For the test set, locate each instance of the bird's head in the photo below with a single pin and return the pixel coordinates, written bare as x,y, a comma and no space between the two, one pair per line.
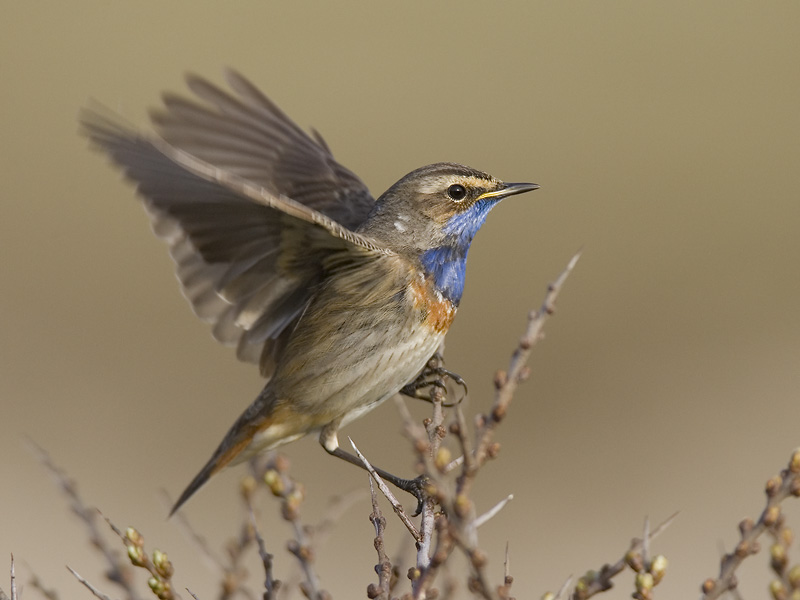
443,202
434,212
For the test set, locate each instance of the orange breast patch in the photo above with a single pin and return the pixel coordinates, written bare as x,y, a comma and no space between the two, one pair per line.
436,311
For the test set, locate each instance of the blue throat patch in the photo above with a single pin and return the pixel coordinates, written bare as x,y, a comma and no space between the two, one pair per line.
447,264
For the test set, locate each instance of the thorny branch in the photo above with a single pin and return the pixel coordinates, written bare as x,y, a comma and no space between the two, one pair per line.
117,571
275,473
777,490
95,592
396,505
456,525
384,566
649,572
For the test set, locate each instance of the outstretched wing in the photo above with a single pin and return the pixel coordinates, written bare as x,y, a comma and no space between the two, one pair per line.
248,135
247,257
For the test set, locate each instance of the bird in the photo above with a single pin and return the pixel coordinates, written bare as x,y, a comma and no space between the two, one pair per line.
341,299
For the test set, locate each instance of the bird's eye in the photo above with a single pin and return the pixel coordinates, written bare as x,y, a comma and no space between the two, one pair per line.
457,192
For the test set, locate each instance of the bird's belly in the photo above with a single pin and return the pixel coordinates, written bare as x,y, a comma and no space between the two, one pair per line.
349,353
352,370
383,373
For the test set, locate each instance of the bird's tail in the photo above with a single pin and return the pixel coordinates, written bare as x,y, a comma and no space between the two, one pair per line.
258,418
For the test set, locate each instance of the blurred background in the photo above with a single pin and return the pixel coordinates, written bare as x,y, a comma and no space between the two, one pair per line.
666,139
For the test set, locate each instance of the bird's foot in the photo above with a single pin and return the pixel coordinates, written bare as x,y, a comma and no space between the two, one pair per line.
417,487
434,375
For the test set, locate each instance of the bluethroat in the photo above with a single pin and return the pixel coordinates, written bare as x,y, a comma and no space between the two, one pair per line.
339,298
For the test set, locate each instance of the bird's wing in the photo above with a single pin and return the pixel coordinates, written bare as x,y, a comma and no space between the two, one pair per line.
248,135
247,258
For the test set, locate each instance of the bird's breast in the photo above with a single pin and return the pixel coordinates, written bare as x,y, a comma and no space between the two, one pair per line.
435,311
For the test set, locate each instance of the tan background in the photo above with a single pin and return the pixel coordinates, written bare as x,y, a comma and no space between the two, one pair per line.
666,138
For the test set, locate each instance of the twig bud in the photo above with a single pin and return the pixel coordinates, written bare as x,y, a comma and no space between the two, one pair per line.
773,485
442,459
658,568
136,555
794,576
771,515
634,561
134,537
493,449
462,505
644,583
161,589
778,558
478,559
500,379
746,526
162,564
777,589
742,549
274,482
794,462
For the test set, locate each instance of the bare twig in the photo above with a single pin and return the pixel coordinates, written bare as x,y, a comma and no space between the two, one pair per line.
384,566
97,593
504,590
506,383
396,506
493,511
594,582
270,584
118,571
274,472
435,432
777,490
433,458
646,540
13,580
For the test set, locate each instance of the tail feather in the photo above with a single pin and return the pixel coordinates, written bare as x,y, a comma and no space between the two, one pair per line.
257,417
223,455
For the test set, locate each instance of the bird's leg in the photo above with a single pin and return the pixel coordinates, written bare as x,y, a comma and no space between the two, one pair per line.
416,487
433,375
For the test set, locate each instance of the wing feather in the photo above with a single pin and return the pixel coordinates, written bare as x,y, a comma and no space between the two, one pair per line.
248,258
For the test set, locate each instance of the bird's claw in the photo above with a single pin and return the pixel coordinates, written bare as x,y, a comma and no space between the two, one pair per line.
434,370
417,487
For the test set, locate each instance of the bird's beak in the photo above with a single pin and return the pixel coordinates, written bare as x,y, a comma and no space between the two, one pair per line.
510,189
